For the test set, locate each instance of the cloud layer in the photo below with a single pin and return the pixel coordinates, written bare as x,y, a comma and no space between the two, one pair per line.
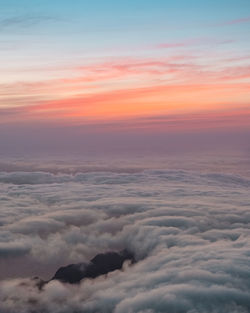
189,231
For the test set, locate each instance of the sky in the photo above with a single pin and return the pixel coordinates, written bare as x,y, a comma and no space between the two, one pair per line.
120,73
84,85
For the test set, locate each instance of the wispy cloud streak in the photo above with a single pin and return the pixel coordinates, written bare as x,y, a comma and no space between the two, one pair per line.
235,21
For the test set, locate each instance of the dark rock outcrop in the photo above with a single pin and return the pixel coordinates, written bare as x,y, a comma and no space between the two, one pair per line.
101,264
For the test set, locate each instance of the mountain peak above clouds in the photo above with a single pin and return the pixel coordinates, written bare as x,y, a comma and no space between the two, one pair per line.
101,264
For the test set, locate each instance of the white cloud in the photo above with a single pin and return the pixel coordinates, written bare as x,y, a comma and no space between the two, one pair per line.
190,233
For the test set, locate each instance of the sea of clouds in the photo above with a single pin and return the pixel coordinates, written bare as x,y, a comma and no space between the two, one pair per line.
189,231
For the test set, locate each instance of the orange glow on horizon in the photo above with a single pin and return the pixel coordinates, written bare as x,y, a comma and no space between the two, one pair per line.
111,92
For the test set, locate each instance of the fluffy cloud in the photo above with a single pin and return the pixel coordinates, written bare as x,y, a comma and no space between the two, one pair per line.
189,232
17,248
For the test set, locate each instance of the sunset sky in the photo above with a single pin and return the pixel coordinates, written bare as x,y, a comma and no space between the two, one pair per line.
124,156
158,67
